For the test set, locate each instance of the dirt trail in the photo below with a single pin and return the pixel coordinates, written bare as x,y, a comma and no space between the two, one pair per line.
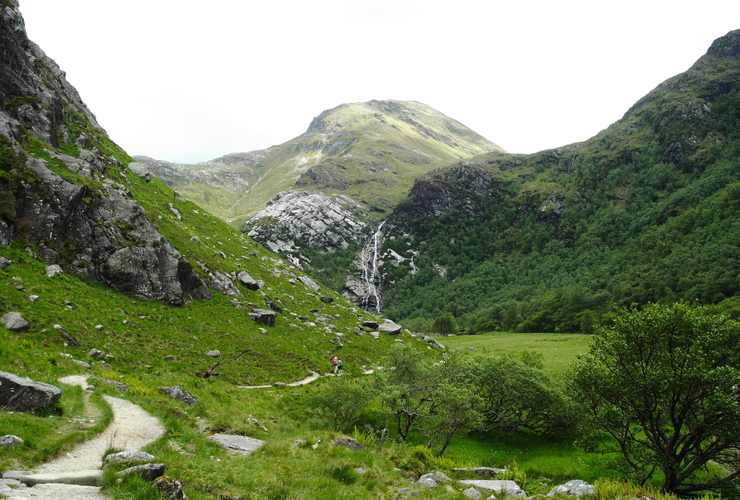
132,429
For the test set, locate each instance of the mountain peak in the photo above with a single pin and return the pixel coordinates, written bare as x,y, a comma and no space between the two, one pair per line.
726,46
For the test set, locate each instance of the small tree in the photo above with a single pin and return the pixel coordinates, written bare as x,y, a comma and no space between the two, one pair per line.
663,383
341,400
445,325
406,387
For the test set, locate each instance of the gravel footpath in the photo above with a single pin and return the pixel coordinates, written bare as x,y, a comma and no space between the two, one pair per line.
132,429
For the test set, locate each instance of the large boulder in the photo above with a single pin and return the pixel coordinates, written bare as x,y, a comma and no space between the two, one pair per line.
15,322
390,328
25,395
263,317
246,280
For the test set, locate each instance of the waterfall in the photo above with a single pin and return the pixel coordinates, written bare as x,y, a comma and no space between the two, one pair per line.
370,272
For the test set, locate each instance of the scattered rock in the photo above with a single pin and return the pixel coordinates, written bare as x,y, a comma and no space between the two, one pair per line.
390,328
10,440
4,262
148,472
71,341
370,324
326,299
96,353
427,480
249,282
431,341
575,488
33,298
178,393
171,489
272,305
495,485
309,283
238,444
483,471
349,443
175,212
120,386
214,354
263,317
472,493
140,169
24,394
53,270
128,456
256,423
15,322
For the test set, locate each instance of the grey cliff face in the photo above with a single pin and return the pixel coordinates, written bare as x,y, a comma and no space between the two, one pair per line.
87,215
296,219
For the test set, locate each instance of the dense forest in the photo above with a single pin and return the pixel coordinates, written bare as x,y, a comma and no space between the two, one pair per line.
646,211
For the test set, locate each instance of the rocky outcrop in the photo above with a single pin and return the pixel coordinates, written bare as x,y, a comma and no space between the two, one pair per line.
26,395
302,219
459,188
75,206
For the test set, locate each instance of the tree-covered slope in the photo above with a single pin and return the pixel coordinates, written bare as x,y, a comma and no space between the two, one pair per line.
647,210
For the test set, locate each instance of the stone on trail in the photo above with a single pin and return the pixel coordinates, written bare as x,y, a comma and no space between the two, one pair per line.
91,477
128,456
148,472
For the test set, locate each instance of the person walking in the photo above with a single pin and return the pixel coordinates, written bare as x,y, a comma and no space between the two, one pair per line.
339,366
335,364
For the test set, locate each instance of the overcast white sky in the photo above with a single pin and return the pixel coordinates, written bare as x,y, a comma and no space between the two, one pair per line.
189,81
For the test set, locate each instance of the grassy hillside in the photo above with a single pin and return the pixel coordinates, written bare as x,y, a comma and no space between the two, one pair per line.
369,151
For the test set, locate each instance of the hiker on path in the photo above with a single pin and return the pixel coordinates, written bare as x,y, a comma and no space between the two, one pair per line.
335,364
339,366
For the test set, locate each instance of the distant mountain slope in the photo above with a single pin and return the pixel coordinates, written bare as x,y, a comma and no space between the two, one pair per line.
369,151
647,210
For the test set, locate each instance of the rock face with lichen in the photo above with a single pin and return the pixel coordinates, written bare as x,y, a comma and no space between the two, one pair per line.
68,182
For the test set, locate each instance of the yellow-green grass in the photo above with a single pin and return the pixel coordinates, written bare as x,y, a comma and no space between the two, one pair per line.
558,350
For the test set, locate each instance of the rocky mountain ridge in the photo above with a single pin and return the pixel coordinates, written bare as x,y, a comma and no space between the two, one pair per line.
66,183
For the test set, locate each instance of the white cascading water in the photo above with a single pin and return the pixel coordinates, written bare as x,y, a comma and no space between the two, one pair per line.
370,274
